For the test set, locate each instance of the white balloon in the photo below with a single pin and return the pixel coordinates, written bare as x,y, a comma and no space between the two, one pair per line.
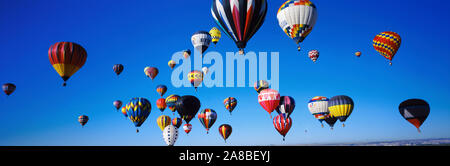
318,105
170,134
205,70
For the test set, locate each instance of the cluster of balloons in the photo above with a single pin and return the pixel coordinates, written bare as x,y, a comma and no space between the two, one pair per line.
239,20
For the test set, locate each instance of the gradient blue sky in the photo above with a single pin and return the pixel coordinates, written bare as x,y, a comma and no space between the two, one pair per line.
147,33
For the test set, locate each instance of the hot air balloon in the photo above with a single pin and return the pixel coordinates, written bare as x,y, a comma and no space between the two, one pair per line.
239,19
177,122
269,100
261,85
163,121
387,44
282,124
151,72
66,58
358,54
230,103
171,102
201,40
286,106
318,106
170,135
187,53
117,104
225,131
8,88
313,55
124,111
215,34
83,119
187,128
297,19
138,110
161,104
161,89
415,111
187,107
196,78
205,70
172,64
207,117
118,68
341,107
331,120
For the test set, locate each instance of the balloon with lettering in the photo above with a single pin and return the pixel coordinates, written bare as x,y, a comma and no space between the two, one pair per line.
415,111
269,99
151,72
163,121
215,34
117,104
286,106
297,19
8,88
138,110
201,40
161,104
83,119
177,122
170,135
318,106
225,131
187,128
282,124
187,107
230,103
341,107
67,58
118,68
207,118
239,19
161,89
387,44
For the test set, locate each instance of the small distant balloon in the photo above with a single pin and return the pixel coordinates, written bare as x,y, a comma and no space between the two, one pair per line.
151,72
8,88
83,119
118,68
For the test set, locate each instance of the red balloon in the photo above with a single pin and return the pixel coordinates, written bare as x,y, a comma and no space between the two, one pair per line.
282,124
269,100
161,104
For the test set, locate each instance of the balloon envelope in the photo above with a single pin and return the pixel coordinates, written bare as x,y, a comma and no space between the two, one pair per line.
415,111
187,107
67,58
170,135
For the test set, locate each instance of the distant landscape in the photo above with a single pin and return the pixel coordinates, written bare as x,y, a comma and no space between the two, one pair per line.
415,142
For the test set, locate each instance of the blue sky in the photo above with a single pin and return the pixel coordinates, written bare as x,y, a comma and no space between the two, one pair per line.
146,33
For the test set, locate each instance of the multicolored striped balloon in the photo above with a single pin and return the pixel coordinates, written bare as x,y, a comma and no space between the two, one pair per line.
161,104
286,106
171,101
163,121
225,131
341,107
151,72
187,128
387,44
313,55
67,58
261,85
196,78
230,103
117,104
172,64
282,124
177,122
161,89
207,118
